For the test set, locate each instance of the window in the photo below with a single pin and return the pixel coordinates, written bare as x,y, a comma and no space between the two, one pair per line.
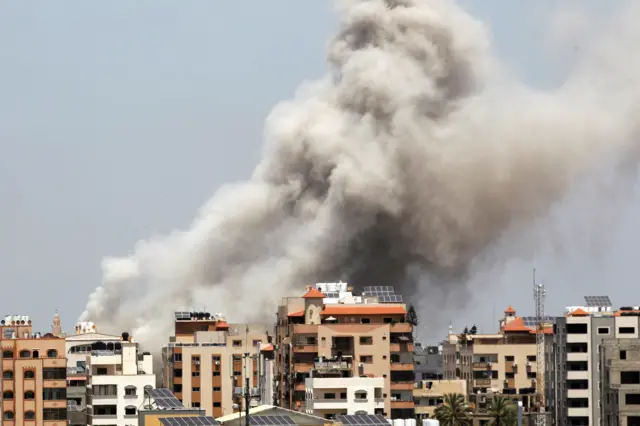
7,374
52,353
54,413
365,320
61,373
623,354
130,390
54,394
36,354
577,329
630,377
196,389
29,374
509,358
195,359
361,395
130,410
8,415
25,354
366,340
237,343
7,395
216,404
531,358
603,330
177,357
29,415
101,371
195,374
627,330
632,399
216,389
29,395
177,387
195,405
177,372
7,354
366,359
216,373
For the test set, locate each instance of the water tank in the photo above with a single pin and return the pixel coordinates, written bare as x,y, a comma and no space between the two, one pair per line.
398,422
410,422
430,422
125,336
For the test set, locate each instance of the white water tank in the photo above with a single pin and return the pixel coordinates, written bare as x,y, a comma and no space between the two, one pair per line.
398,422
410,422
430,422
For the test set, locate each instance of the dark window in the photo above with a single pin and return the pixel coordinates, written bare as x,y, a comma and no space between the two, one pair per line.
8,415
577,348
195,405
36,354
531,358
29,415
177,387
509,358
623,354
101,371
365,320
129,410
54,414
216,389
216,404
630,377
603,330
29,395
632,399
29,374
130,391
196,389
54,394
216,373
52,353
7,394
366,340
237,343
177,357
25,354
577,329
626,330
7,354
366,359
195,374
59,373
7,374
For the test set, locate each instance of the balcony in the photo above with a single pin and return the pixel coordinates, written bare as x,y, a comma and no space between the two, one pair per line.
399,366
481,366
482,383
402,386
402,404
302,367
333,365
401,327
305,348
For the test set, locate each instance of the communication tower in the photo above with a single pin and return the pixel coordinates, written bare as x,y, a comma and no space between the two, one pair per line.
539,294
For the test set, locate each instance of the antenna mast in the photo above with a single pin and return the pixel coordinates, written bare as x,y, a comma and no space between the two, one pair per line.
539,294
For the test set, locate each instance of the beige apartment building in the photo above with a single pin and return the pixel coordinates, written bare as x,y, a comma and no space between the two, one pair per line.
33,375
207,360
429,394
504,362
346,337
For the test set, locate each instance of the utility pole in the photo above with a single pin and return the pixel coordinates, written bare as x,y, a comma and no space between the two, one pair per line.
539,294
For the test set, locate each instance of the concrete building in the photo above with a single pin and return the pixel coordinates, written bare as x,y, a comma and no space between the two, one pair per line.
116,381
429,394
328,396
33,375
428,362
586,364
207,362
502,363
85,341
284,416
351,337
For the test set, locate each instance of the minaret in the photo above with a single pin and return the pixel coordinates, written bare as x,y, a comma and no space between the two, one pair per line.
56,328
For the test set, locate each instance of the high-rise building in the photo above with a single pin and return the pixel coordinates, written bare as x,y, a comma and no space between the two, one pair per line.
33,375
502,363
328,336
117,377
208,360
594,364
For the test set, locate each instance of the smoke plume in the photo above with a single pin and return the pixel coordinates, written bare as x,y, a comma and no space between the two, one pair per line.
415,153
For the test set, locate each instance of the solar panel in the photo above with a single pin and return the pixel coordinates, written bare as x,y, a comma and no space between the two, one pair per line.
533,321
189,421
183,315
362,420
272,420
332,295
598,301
165,399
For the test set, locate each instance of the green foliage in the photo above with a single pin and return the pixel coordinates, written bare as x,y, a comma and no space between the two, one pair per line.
503,412
412,316
454,411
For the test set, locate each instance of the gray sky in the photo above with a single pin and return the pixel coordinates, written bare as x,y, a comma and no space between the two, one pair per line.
118,120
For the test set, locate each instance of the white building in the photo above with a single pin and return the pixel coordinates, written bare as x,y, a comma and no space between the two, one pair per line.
116,380
328,396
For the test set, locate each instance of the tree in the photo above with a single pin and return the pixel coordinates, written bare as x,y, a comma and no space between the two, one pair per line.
474,329
454,411
466,330
412,316
502,411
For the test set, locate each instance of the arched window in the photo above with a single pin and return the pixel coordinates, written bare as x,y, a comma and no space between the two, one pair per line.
29,374
36,354
130,390
7,394
7,354
7,374
29,415
29,395
52,353
25,354
130,410
8,415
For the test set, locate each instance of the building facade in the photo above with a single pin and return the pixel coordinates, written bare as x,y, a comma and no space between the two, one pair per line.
33,375
428,362
208,361
346,335
116,381
328,395
429,394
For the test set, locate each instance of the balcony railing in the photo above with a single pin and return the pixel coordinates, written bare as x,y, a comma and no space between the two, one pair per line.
333,365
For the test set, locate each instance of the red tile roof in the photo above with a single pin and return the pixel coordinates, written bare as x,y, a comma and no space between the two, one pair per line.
516,324
510,310
222,324
364,310
313,293
296,314
579,313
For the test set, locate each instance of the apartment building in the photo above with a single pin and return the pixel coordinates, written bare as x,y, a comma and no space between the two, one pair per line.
208,361
587,361
502,363
33,375
116,381
83,342
429,394
327,334
428,362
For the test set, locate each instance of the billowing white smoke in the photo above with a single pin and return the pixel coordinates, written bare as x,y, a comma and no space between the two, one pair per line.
409,159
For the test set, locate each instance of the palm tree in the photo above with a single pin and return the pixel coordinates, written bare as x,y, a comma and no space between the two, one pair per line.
454,411
502,411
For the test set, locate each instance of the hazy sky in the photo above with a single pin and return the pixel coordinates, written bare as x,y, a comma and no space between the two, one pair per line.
118,120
